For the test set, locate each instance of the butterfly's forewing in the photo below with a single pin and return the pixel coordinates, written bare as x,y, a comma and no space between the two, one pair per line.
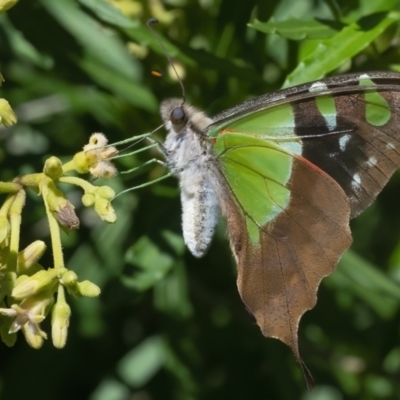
296,165
349,125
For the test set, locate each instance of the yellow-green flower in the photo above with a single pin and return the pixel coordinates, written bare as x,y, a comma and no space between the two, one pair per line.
99,152
27,317
7,115
105,210
7,4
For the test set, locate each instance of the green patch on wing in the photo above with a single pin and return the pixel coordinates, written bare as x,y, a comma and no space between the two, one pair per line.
377,110
273,121
327,107
257,172
270,123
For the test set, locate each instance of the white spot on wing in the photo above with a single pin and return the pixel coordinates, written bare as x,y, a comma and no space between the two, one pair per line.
279,96
330,121
372,161
365,76
343,142
390,146
317,87
356,183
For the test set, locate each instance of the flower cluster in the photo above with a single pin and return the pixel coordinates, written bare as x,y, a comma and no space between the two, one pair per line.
28,290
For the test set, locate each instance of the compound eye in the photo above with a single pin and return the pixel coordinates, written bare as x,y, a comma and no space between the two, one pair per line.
177,116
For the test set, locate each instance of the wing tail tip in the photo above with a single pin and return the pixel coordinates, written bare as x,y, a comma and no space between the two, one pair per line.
308,378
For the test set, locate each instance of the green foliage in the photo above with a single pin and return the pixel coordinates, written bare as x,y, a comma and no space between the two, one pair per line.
296,29
167,325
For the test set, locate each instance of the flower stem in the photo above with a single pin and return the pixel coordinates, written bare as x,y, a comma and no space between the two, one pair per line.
73,180
58,256
9,187
15,221
5,208
69,166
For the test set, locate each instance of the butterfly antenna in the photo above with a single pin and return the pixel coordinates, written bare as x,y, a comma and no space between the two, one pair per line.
150,23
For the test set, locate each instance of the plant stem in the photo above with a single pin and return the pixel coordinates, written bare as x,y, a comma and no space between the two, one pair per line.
73,180
58,256
15,221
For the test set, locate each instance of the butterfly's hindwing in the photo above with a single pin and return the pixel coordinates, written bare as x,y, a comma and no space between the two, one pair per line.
282,260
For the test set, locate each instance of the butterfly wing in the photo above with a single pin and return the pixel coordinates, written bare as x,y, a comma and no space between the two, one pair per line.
296,166
285,237
347,126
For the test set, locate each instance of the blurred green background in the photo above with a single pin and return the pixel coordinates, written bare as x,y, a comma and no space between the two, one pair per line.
167,325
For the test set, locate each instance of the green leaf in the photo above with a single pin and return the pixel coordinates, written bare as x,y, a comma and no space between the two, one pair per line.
367,282
391,364
181,372
137,94
143,362
107,12
368,7
110,389
174,241
100,43
152,262
332,52
323,392
295,29
171,293
23,47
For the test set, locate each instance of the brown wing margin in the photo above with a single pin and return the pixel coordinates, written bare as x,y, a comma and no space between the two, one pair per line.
278,278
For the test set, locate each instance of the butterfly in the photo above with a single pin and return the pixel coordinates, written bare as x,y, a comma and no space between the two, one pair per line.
288,170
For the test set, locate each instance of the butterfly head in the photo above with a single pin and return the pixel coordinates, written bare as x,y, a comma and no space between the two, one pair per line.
174,114
177,116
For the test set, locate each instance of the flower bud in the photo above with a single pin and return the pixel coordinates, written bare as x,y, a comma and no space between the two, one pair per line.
88,199
69,278
7,116
30,255
21,278
83,162
88,289
105,210
53,168
105,192
35,283
59,323
7,4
